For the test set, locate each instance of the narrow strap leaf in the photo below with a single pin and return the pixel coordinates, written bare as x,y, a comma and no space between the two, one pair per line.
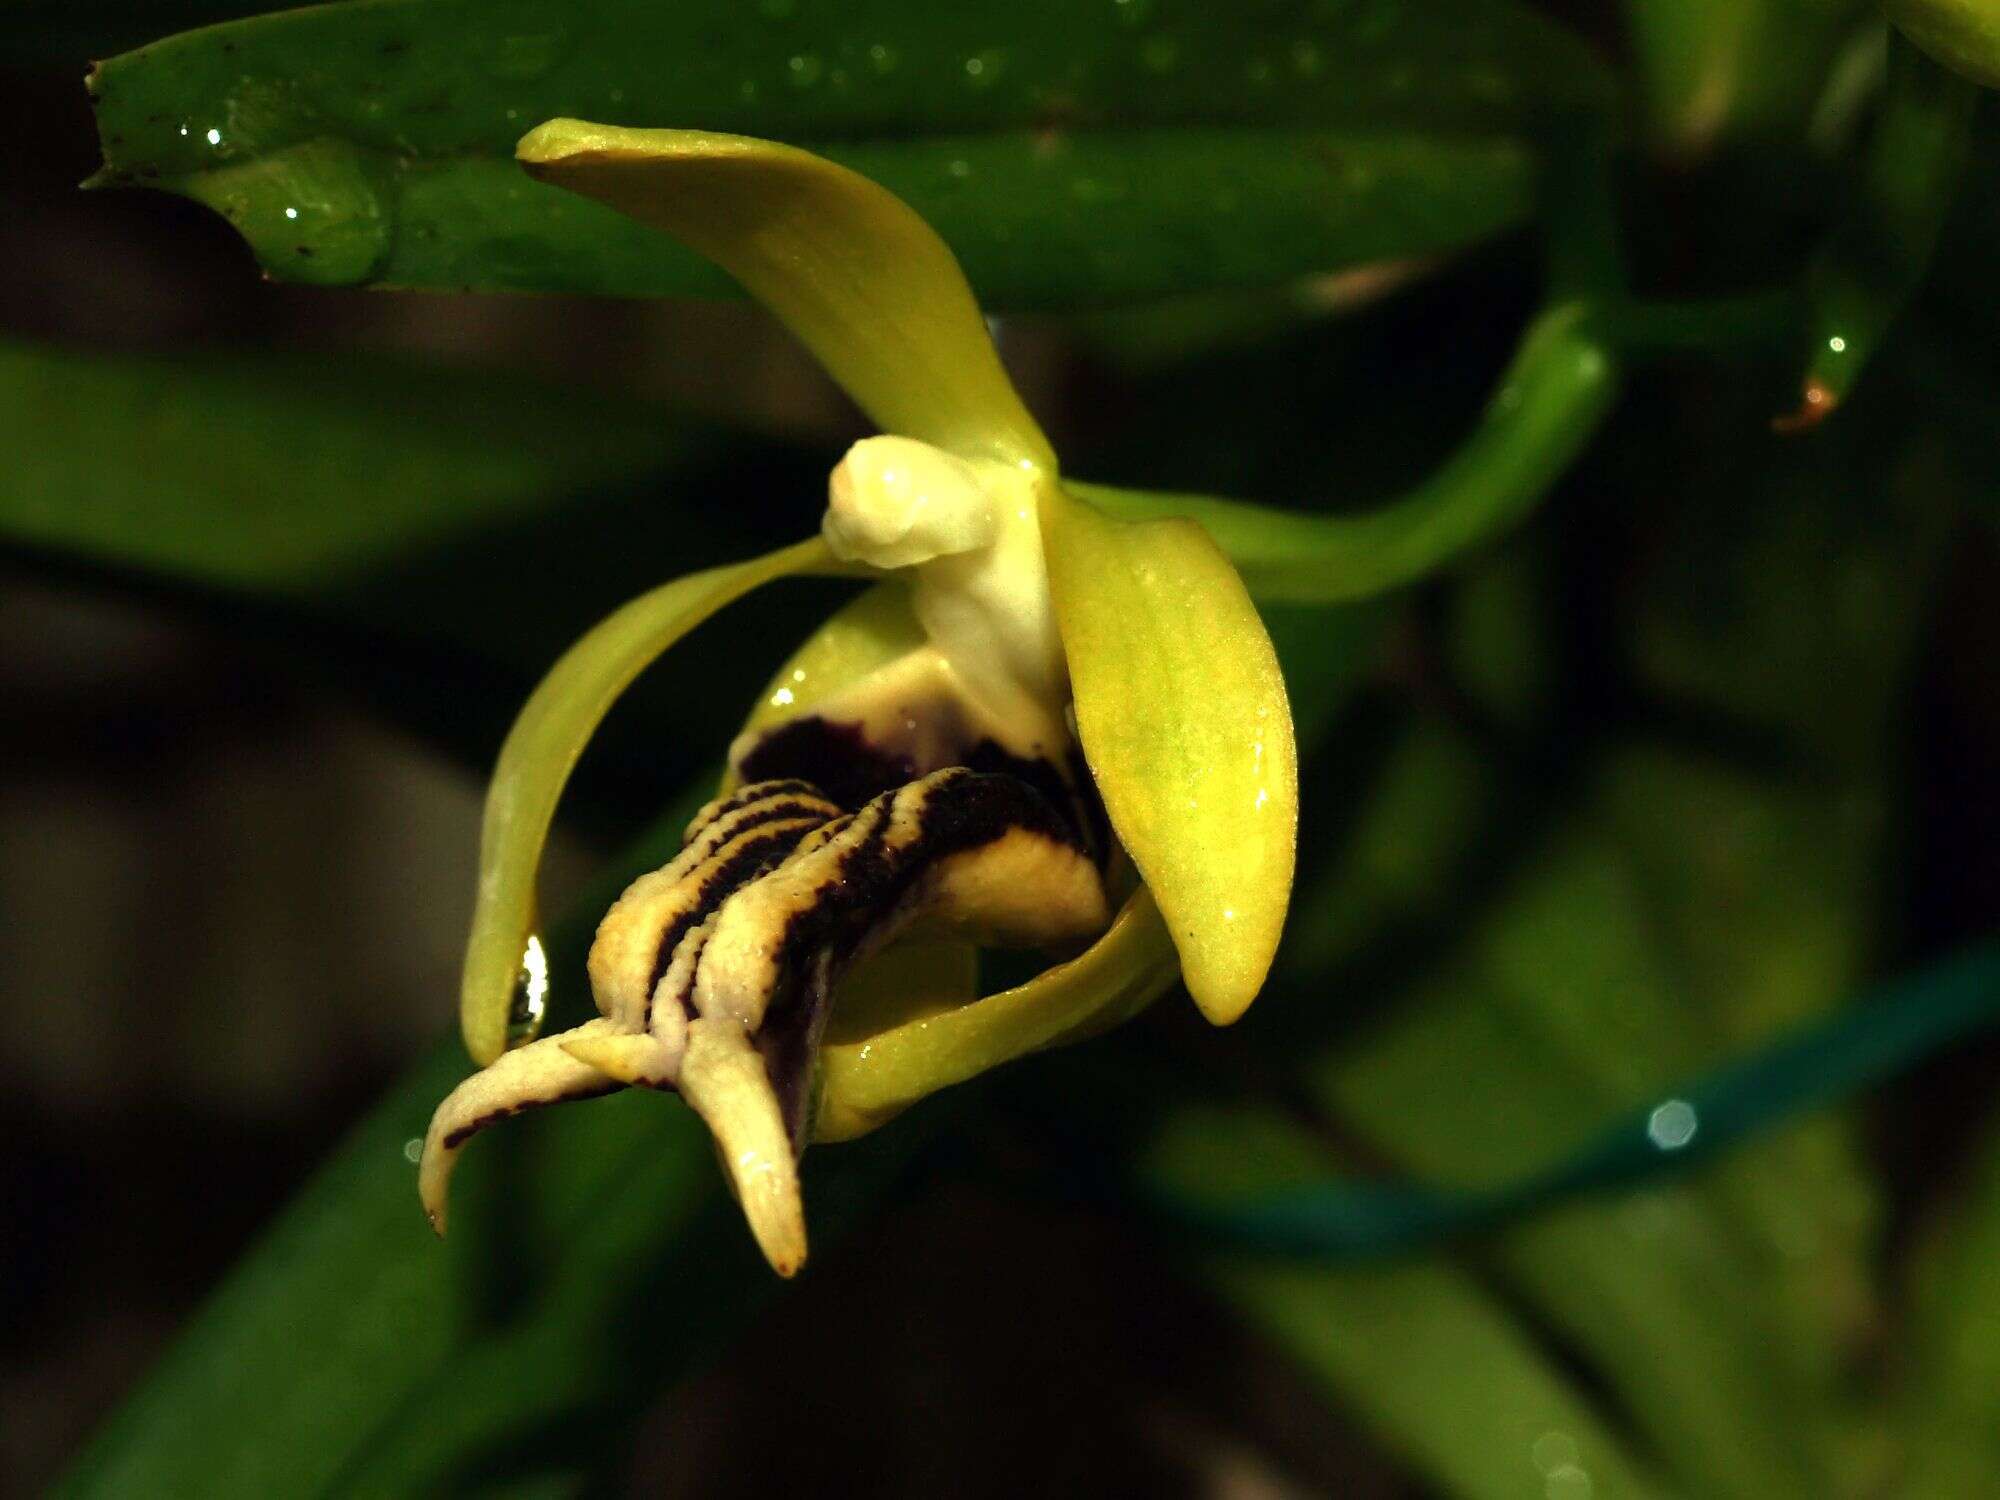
850,268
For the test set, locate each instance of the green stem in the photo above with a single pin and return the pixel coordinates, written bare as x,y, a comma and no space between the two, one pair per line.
1561,384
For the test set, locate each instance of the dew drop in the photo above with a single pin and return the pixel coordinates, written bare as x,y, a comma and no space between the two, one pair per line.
311,211
982,69
1672,1126
958,169
803,69
883,58
531,994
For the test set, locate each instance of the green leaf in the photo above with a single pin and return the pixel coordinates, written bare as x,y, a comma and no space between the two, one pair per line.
1715,69
1560,1012
860,279
1434,1363
1068,154
295,475
422,539
1951,1411
1964,35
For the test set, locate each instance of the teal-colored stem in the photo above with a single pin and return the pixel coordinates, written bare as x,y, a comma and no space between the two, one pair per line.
1562,382
1862,1045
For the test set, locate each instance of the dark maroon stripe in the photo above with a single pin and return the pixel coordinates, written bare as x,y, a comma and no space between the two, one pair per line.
744,796
456,1138
724,878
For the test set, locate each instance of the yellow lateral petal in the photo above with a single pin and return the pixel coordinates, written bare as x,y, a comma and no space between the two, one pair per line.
867,1080
1182,712
849,267
541,750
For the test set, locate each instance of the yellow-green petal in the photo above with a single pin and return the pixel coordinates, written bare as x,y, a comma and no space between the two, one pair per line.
541,750
868,1079
1182,712
844,263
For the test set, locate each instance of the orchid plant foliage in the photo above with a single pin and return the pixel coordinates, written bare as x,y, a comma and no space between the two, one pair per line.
1042,727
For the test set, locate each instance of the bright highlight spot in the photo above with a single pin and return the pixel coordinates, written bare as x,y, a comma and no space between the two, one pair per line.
1672,1125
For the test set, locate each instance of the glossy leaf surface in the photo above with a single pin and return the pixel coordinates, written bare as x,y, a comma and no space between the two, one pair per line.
367,143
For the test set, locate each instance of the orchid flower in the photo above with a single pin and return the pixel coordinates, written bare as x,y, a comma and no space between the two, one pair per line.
1043,727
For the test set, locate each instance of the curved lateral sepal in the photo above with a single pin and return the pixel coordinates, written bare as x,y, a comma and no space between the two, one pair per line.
542,749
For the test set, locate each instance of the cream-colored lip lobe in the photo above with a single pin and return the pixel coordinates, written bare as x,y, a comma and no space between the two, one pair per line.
716,974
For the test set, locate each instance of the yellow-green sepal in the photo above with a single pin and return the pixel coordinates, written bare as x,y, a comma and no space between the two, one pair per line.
1181,709
869,1075
849,267
541,750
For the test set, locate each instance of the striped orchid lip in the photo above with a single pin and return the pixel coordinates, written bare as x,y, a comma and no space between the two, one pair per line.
1042,727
